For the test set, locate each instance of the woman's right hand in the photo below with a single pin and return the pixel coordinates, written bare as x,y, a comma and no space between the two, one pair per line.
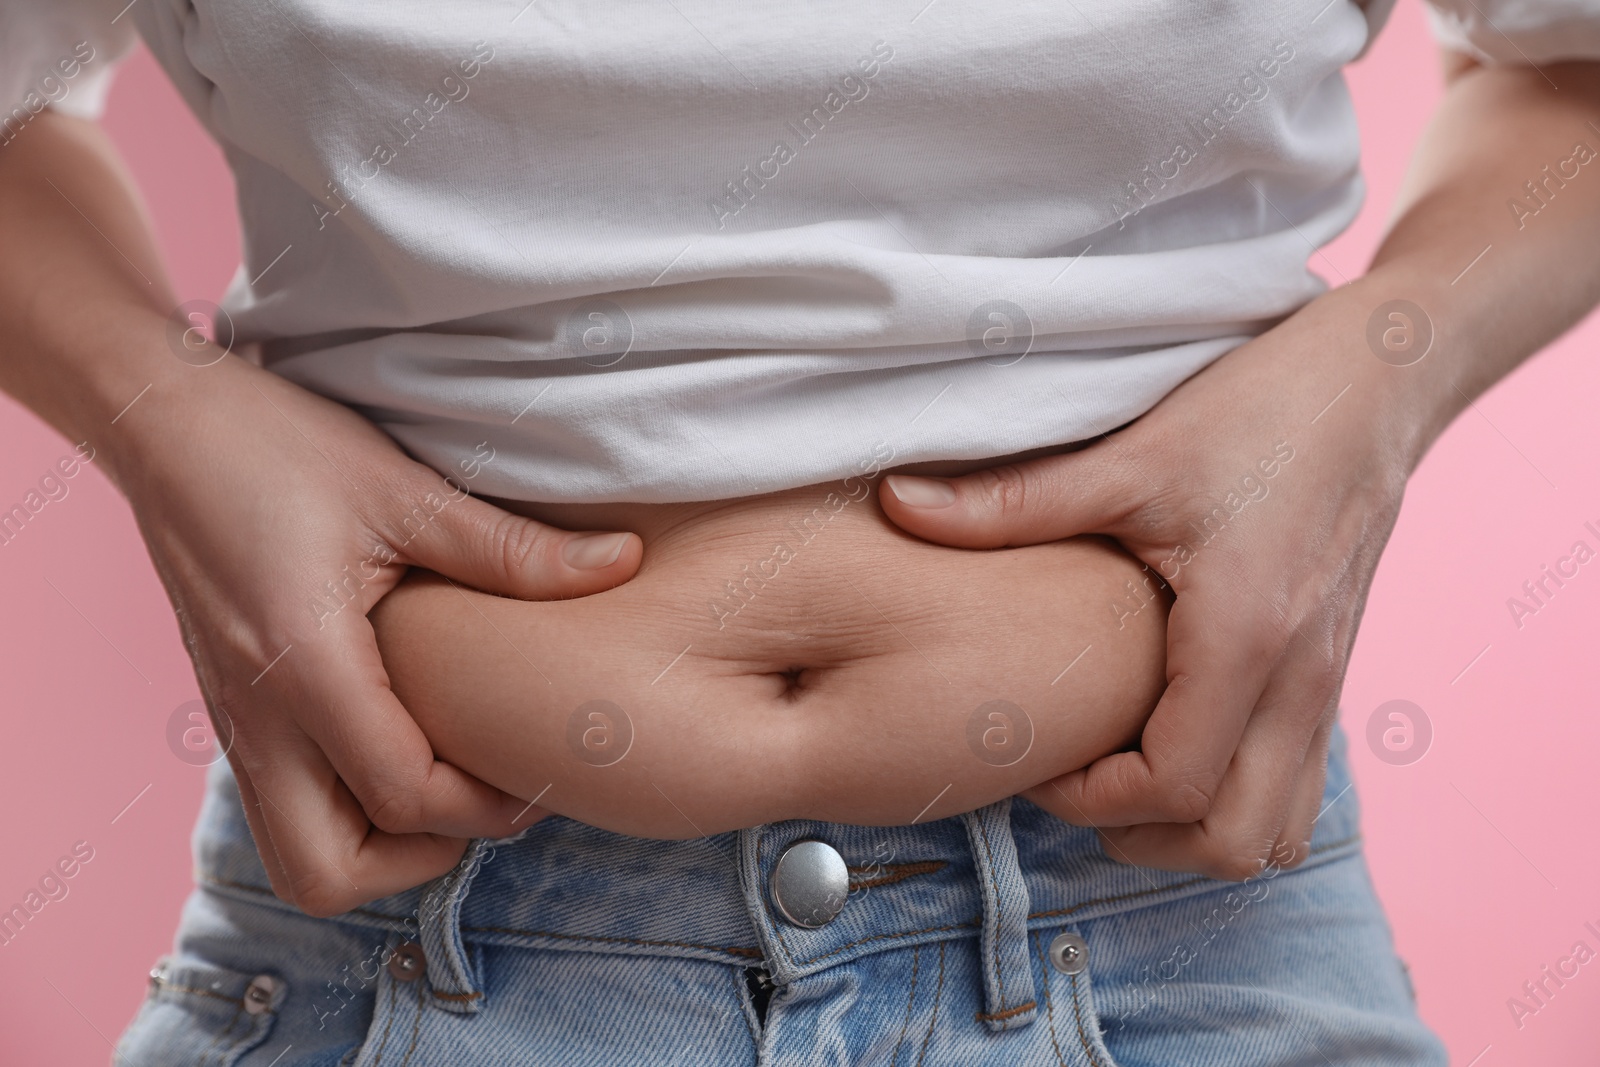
276,520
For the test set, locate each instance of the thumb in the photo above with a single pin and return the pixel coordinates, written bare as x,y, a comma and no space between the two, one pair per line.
507,555
1027,503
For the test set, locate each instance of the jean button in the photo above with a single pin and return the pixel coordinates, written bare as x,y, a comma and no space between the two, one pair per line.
810,883
407,963
1069,954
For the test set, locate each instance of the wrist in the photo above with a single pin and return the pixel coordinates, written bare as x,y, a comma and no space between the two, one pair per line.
131,399
177,415
1409,354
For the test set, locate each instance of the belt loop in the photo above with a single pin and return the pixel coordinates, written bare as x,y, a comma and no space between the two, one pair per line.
450,973
1009,999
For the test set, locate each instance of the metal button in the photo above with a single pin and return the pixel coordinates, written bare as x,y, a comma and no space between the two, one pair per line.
810,883
1069,954
261,995
408,962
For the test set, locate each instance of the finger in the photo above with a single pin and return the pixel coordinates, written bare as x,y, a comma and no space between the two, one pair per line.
271,862
1217,669
248,801
1025,503
318,847
1265,800
341,691
1305,808
333,858
497,552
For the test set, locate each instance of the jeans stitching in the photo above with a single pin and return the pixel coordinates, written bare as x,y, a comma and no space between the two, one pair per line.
978,922
1083,1038
911,999
783,944
984,1017
469,973
388,1024
1049,1002
165,986
933,1020
757,954
416,1027
898,872
753,953
788,960
994,884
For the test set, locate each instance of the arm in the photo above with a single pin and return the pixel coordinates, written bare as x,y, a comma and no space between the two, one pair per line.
1232,760
252,494
1497,129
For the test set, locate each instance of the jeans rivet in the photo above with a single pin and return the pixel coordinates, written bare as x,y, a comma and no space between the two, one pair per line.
261,994
408,962
1069,954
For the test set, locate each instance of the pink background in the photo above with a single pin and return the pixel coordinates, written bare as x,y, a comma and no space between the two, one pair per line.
1482,850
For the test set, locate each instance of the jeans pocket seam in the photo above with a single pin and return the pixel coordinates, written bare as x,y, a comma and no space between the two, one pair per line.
234,1036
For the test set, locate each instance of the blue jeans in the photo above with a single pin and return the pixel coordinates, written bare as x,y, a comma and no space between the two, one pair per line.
1000,937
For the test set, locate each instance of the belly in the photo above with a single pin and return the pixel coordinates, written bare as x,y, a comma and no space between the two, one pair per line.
792,655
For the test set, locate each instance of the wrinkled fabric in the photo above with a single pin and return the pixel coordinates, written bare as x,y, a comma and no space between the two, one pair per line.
693,250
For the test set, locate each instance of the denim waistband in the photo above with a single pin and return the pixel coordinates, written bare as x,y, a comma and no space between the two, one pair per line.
989,876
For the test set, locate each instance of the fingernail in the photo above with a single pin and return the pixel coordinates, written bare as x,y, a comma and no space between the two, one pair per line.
590,552
920,492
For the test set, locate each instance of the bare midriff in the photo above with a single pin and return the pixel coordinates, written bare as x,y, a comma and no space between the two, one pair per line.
791,655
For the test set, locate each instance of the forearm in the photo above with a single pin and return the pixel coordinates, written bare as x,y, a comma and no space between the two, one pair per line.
1497,281
83,296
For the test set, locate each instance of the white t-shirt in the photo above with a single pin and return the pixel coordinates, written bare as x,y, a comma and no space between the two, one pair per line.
690,249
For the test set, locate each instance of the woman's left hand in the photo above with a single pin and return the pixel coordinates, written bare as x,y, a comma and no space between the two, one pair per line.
1263,490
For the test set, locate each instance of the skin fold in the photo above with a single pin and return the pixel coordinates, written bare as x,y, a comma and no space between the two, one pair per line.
837,678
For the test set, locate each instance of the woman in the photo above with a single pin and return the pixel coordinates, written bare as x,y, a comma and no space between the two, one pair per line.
614,271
